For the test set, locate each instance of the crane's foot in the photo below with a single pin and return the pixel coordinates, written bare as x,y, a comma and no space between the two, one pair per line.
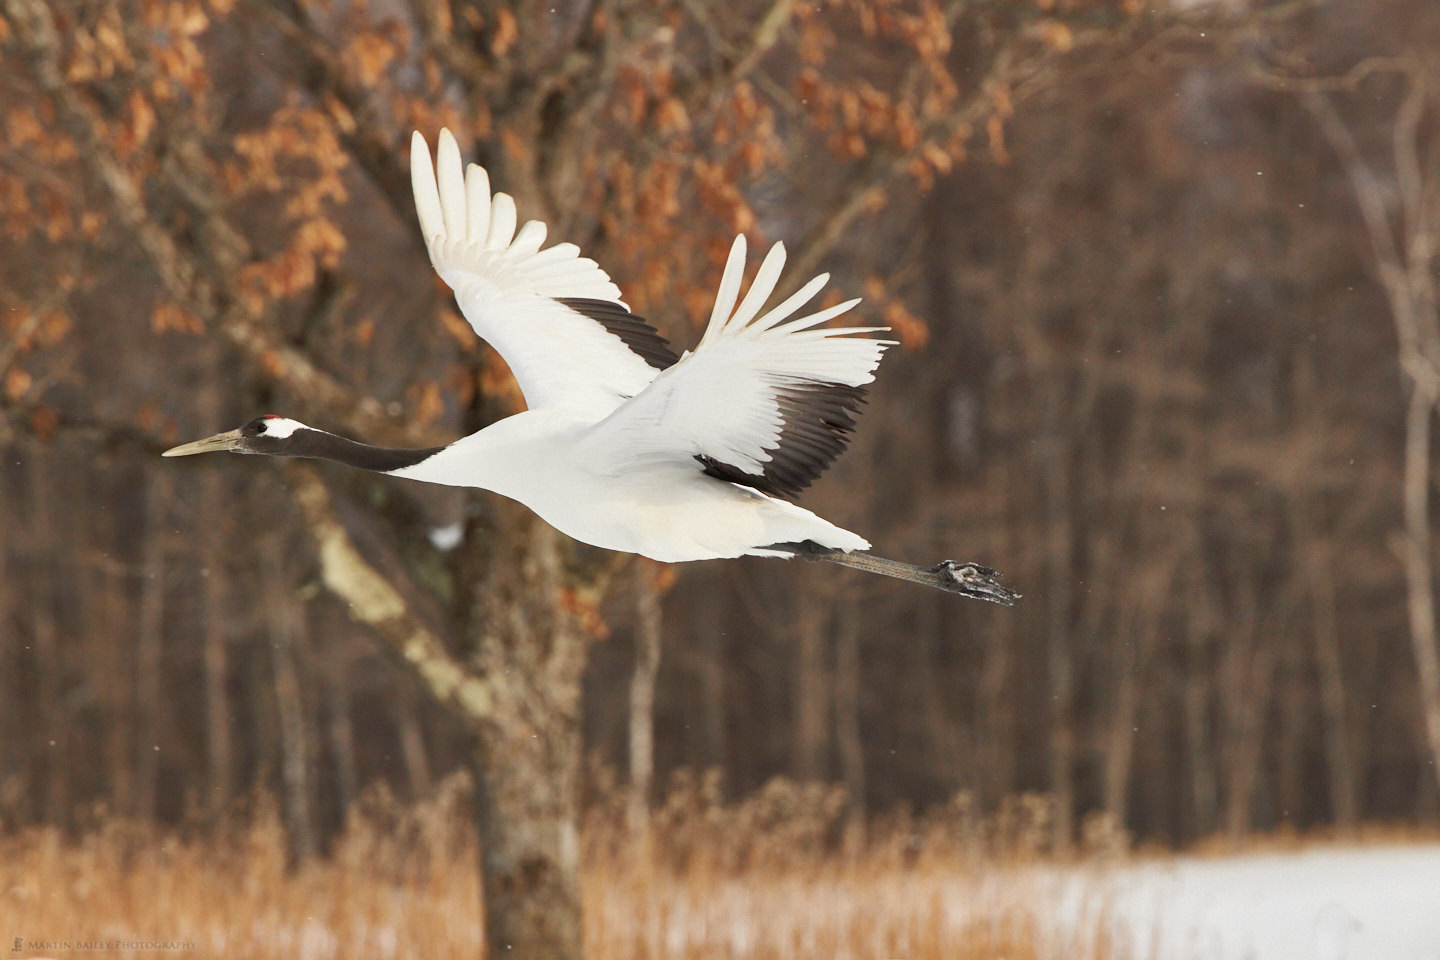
966,579
972,580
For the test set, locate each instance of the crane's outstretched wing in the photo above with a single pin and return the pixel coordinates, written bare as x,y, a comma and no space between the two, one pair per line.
765,402
554,315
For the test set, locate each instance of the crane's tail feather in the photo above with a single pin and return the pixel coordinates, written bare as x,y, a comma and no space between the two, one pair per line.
967,579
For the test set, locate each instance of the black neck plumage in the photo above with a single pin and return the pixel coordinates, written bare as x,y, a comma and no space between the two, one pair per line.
319,445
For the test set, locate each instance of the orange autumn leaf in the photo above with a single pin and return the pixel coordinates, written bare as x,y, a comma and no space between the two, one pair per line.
17,383
364,332
23,127
273,363
170,316
995,130
458,329
1056,35
371,55
912,332
148,417
671,116
428,405
141,121
53,328
660,577
44,421
517,148
507,31
460,384
585,611
497,381
13,319
937,157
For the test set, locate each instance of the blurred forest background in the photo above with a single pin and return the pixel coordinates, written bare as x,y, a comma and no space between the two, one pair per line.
1164,278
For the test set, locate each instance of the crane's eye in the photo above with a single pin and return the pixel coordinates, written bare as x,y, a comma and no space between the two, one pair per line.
256,428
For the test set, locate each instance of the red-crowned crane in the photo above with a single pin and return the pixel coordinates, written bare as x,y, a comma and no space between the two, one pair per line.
626,445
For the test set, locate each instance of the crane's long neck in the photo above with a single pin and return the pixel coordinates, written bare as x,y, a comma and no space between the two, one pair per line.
319,445
508,457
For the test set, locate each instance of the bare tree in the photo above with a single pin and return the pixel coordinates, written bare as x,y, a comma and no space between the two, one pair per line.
339,727
650,582
1404,244
287,631
215,640
847,699
811,746
215,619
44,630
149,662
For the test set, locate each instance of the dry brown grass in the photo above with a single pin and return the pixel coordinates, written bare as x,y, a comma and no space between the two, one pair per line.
783,874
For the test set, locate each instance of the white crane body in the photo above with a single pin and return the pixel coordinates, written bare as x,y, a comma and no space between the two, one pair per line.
667,511
625,444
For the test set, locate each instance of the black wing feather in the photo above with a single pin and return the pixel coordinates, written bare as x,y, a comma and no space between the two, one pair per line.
642,339
817,419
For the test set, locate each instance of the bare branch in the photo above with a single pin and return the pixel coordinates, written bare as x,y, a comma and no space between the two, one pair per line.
1419,229
1368,195
204,281
886,167
758,43
367,137
374,602
1345,82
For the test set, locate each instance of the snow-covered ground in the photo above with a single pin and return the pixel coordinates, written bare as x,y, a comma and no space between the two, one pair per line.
1321,903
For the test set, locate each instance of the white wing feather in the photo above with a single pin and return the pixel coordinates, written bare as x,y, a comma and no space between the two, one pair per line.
729,400
507,287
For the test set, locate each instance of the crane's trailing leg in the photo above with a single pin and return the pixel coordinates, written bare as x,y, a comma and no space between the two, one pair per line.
966,579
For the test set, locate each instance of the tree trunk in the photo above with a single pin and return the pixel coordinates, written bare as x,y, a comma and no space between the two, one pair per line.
214,635
948,760
1292,697
642,693
1139,635
1416,548
13,704
149,646
997,717
1248,672
848,741
412,742
1195,698
812,707
519,690
219,750
1315,550
1059,658
340,729
1120,744
709,620
104,613
527,809
1339,753
44,635
528,778
286,626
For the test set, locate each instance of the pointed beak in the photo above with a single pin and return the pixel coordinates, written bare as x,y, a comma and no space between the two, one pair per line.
229,440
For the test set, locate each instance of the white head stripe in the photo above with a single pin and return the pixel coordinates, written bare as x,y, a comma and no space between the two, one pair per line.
281,428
